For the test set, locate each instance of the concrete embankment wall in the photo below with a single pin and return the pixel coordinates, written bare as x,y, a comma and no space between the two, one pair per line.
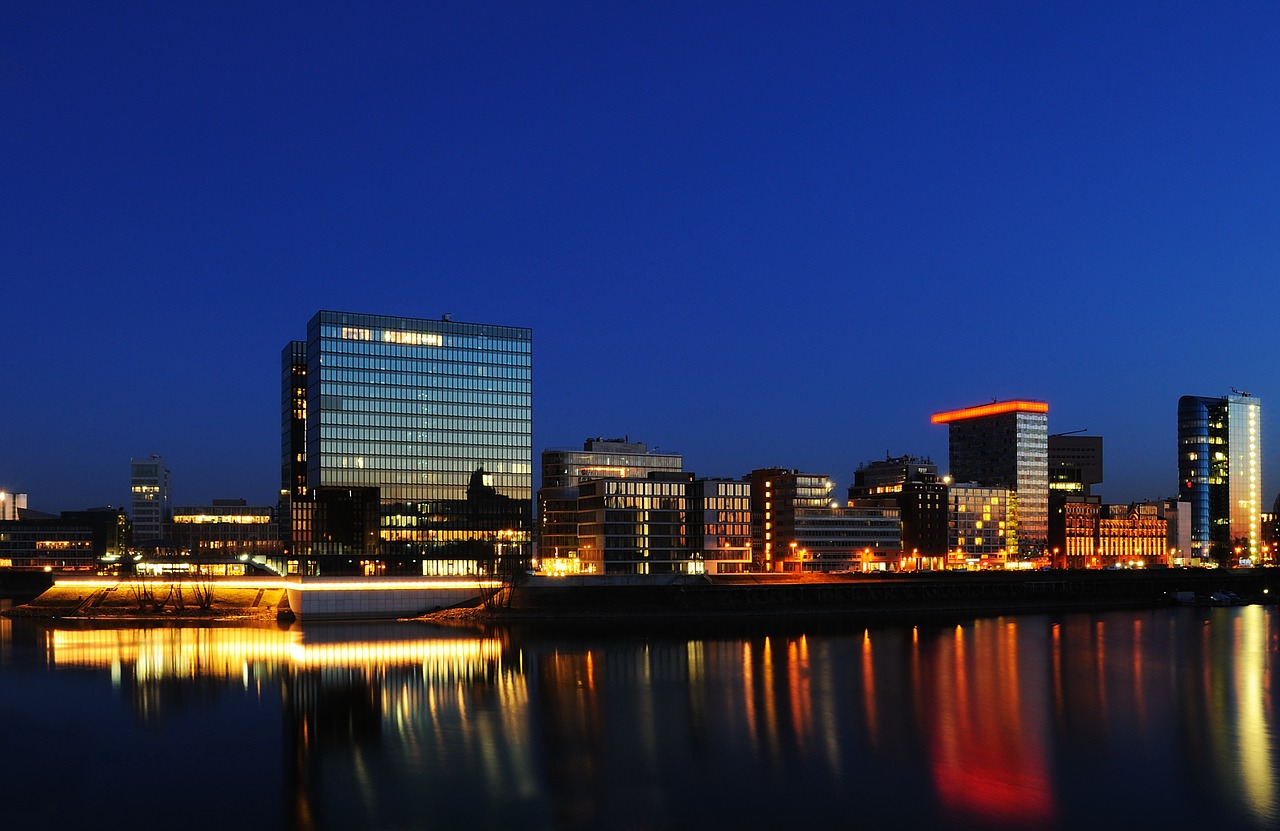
22,586
313,600
888,594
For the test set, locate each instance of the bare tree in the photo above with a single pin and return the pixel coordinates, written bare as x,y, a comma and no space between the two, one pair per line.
146,593
202,584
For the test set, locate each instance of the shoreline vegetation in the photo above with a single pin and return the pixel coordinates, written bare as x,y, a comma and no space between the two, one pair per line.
722,598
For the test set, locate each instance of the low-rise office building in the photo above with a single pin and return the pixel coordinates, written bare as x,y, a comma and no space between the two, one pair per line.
864,536
228,529
73,541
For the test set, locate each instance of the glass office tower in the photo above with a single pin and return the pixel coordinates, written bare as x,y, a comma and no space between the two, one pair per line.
1220,474
432,419
1006,444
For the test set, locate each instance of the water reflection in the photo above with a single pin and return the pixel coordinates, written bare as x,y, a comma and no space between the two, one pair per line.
1253,707
987,725
1032,722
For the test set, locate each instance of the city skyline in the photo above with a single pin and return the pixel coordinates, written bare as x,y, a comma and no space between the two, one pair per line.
755,237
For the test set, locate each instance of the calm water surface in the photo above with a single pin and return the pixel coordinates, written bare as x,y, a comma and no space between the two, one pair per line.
1114,720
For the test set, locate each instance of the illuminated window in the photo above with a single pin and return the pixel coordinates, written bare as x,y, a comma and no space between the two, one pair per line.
412,338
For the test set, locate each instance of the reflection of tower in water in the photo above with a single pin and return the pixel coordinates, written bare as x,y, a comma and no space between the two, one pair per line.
989,751
387,732
379,727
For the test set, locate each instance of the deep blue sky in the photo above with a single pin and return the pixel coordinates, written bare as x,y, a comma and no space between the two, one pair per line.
758,234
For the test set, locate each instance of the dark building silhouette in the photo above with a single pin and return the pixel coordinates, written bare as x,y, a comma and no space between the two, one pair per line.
920,494
1075,463
71,541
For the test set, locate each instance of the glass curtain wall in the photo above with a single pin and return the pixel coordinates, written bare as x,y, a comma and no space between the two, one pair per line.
436,415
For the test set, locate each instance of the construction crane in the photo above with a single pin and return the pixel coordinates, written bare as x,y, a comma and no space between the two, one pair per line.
1070,433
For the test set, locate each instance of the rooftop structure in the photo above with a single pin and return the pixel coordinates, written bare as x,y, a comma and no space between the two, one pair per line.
600,458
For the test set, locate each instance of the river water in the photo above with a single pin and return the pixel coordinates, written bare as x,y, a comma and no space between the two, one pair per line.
1098,721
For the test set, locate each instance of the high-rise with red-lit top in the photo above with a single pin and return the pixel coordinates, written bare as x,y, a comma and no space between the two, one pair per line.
1006,444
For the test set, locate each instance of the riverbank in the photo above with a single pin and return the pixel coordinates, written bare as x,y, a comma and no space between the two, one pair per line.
903,592
725,597
599,601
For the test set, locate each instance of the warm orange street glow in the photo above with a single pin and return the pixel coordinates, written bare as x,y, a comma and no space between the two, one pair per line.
364,585
1017,406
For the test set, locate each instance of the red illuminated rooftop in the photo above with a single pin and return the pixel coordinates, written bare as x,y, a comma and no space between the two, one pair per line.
995,408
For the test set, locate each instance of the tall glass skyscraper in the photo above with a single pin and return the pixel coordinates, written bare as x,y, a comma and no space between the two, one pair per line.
418,438
1220,473
1006,444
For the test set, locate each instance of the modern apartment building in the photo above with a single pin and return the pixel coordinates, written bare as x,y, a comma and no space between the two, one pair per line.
1005,444
982,522
664,523
564,469
150,496
720,524
776,494
419,430
636,526
1220,475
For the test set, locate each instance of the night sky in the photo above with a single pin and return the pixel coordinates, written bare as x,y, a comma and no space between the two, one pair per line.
755,233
